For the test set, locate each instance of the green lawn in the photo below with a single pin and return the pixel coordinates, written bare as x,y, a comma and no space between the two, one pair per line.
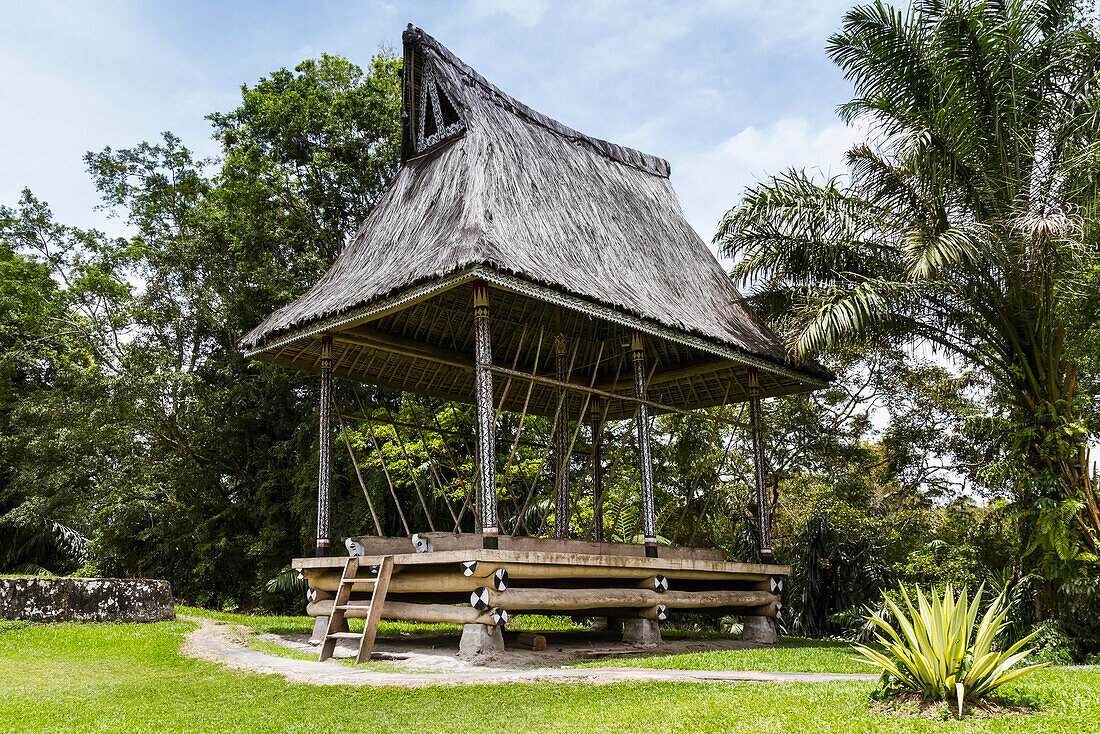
304,625
793,654
132,679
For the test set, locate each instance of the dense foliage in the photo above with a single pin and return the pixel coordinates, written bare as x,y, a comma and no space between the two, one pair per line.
967,224
130,425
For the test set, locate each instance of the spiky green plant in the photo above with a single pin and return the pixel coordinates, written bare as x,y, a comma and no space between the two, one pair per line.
935,648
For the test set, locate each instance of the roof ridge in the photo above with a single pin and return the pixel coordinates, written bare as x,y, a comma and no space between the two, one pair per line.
651,164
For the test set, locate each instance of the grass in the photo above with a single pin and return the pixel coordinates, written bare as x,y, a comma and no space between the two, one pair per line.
793,654
262,623
131,678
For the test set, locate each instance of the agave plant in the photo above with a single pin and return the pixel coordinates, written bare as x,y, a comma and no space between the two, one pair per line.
935,648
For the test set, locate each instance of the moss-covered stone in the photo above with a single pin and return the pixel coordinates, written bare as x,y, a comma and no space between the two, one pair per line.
44,599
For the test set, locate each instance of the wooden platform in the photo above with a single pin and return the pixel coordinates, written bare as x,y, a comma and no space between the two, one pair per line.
373,545
477,586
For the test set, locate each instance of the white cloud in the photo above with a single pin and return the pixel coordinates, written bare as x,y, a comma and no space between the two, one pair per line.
528,13
710,182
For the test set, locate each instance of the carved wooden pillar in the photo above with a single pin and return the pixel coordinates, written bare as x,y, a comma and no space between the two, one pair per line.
324,466
763,510
597,468
561,444
486,490
645,453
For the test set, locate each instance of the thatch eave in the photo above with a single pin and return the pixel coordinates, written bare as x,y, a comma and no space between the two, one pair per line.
814,374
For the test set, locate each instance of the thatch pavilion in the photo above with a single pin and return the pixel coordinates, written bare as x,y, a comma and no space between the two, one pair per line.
519,265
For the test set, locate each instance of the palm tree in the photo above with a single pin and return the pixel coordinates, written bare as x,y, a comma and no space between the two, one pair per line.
968,220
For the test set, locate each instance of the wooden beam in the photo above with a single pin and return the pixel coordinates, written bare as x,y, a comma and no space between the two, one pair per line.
611,564
570,599
531,641
428,581
443,541
659,612
670,374
437,613
374,339
584,389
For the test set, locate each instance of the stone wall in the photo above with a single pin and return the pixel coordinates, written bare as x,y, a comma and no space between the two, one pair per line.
45,599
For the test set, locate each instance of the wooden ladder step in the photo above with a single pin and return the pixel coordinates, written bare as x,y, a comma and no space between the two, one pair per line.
336,619
379,584
374,614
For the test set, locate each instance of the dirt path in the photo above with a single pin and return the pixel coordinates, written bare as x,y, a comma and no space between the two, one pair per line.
227,645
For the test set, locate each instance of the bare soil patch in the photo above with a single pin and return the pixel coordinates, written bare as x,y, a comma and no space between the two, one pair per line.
916,706
440,652
414,660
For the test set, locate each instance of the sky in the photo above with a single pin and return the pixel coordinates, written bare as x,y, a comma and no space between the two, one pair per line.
728,92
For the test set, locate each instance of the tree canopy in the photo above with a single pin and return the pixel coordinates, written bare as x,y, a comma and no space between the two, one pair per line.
967,222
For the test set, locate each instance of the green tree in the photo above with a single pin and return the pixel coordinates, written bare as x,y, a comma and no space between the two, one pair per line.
127,411
64,306
305,156
968,223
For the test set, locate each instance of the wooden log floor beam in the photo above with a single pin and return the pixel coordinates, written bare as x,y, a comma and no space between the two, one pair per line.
408,612
572,599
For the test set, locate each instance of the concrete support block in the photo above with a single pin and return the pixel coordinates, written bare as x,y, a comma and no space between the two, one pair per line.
760,630
320,626
641,632
480,641
598,624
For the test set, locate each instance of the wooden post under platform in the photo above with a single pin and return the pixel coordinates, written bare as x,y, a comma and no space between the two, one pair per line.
561,443
324,467
763,510
645,452
486,491
597,469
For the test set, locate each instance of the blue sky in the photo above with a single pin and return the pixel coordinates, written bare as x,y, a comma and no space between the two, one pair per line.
726,91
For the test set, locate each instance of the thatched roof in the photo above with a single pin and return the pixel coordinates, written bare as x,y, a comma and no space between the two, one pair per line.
490,188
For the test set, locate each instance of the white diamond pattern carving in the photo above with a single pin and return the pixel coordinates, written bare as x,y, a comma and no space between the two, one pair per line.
430,93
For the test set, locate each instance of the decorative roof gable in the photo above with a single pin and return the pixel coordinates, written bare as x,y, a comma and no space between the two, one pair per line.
438,117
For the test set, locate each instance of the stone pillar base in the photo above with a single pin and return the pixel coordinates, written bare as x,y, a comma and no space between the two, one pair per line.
641,632
595,624
320,626
760,630
480,641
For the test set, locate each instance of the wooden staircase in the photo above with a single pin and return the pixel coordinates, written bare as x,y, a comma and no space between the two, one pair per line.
380,583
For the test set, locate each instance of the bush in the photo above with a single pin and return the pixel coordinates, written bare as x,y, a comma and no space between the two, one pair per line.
1054,644
935,649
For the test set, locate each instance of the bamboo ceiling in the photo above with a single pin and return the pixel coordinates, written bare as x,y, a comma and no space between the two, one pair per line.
425,347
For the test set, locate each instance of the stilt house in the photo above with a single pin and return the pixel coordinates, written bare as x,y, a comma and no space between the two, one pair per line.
518,265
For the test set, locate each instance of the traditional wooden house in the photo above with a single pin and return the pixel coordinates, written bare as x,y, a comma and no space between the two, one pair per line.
519,265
